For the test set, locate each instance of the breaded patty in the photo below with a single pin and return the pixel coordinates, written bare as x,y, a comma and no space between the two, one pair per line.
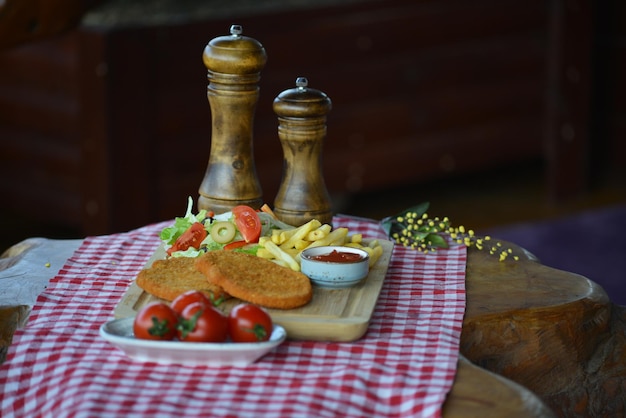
166,279
255,279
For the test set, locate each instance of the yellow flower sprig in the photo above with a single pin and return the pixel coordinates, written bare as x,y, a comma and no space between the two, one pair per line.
468,238
414,229
419,232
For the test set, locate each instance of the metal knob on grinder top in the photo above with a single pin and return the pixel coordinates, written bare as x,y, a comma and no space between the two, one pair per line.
302,195
234,64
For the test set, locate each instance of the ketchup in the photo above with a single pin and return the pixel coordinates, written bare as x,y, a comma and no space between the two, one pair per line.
338,257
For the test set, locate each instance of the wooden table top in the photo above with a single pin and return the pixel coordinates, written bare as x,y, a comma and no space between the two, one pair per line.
536,341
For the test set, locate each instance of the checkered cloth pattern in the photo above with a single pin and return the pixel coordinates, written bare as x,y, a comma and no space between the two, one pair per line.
59,366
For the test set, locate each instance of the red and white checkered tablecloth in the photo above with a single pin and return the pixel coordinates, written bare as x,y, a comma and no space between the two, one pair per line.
59,366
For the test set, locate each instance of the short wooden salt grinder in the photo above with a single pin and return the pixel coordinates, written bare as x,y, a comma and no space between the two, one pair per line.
302,195
234,64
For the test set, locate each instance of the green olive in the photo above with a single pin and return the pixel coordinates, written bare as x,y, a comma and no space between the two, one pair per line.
223,232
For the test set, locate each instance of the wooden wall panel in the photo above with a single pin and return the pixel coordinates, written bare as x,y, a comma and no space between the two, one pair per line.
617,95
420,90
40,161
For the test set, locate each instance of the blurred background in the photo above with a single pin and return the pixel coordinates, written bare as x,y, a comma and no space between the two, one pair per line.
496,112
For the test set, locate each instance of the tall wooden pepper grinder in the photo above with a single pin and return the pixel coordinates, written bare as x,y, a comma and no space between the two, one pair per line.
234,64
302,195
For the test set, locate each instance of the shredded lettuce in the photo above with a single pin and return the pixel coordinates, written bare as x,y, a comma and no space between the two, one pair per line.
170,234
268,223
189,252
252,250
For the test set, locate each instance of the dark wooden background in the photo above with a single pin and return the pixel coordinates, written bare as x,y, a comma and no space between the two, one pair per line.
106,127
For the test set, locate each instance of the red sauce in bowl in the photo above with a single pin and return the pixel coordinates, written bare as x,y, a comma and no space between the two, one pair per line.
338,257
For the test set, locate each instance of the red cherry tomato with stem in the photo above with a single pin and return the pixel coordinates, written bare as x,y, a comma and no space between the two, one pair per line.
200,323
155,321
191,296
192,237
249,323
248,222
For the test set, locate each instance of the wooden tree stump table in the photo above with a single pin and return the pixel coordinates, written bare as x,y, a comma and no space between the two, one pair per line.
555,333
536,342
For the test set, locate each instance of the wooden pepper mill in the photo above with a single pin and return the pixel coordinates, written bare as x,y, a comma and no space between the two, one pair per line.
234,64
302,195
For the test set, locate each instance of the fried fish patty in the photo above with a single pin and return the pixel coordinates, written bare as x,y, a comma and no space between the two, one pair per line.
168,278
255,279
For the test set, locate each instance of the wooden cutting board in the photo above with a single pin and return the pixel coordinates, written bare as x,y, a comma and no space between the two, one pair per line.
332,314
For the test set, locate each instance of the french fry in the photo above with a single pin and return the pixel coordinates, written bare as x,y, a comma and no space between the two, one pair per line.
300,233
276,238
282,255
356,238
374,243
301,245
280,262
373,248
336,237
294,253
279,236
265,253
319,233
375,254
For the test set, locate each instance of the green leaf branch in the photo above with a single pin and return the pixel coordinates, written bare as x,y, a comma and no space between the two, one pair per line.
414,228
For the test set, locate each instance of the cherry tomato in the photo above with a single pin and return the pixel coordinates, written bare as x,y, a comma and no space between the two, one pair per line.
249,323
192,237
248,222
155,321
191,296
235,244
200,323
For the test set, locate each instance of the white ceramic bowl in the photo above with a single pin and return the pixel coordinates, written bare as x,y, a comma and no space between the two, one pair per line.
334,274
119,332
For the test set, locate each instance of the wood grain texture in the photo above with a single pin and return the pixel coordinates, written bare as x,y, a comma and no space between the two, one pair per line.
234,65
556,333
11,317
478,393
23,21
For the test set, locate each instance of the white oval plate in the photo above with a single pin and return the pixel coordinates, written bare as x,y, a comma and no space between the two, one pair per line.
119,332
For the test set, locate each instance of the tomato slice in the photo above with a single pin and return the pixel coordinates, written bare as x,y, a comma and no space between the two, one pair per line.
192,237
235,244
248,222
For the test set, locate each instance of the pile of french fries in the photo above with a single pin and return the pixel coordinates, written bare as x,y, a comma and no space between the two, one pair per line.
285,245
